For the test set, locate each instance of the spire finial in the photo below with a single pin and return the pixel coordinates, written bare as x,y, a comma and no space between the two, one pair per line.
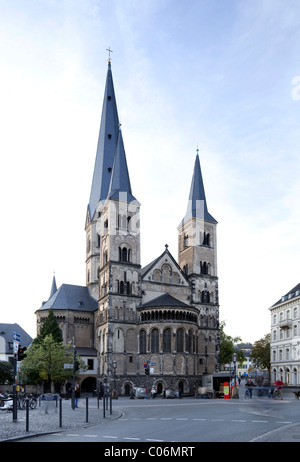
109,51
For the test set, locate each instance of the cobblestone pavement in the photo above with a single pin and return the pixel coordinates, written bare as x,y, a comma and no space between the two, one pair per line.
42,420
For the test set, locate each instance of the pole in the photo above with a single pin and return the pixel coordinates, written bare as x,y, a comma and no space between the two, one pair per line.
86,408
27,414
15,412
103,407
60,412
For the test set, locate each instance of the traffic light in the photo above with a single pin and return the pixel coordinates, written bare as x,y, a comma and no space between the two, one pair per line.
76,366
146,366
21,353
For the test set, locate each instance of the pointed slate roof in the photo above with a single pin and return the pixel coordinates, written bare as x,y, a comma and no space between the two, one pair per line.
164,300
53,287
197,205
120,187
71,297
107,142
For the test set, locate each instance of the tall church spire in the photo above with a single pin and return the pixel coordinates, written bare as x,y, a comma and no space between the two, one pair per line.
197,205
107,143
120,187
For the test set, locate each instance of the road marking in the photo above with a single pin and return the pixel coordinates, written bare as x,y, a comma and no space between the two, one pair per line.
166,418
133,439
91,436
159,441
181,418
109,436
260,421
199,419
238,420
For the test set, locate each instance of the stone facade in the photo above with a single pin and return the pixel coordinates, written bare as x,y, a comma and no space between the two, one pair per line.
165,314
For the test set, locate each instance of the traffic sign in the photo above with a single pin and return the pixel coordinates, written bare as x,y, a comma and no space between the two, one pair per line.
152,364
16,337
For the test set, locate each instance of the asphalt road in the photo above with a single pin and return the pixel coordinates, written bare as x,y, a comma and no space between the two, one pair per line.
187,420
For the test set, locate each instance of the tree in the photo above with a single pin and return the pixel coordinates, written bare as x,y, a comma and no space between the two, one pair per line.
50,326
227,347
6,372
260,353
45,362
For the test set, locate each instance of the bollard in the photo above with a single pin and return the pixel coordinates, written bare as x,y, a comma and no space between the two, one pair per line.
27,414
60,412
110,402
104,407
86,408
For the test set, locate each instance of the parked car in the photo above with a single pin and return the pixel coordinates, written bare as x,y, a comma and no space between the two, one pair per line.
139,392
172,393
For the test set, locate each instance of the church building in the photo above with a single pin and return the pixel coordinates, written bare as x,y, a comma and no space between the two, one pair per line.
136,326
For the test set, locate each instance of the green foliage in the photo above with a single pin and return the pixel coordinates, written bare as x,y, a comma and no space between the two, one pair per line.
45,361
50,326
227,347
260,353
6,373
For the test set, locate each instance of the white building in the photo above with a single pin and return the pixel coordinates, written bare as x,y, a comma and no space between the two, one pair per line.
285,338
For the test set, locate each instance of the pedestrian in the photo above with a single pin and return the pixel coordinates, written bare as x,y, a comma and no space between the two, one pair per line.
250,385
77,394
278,387
153,392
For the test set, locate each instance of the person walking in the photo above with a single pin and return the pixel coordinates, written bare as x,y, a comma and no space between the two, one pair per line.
153,392
77,394
278,388
250,385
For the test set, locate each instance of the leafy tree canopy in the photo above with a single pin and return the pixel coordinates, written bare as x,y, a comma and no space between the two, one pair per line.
227,347
50,326
260,353
6,372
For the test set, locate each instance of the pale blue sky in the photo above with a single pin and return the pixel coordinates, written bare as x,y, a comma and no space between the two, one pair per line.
217,74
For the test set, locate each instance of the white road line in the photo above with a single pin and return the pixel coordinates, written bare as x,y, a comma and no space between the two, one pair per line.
109,436
238,420
132,439
158,441
260,421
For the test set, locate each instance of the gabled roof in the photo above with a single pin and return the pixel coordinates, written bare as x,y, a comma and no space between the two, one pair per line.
107,142
71,297
164,300
147,269
197,205
294,292
7,330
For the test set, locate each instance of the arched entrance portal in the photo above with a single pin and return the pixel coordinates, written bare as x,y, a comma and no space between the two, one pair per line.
88,385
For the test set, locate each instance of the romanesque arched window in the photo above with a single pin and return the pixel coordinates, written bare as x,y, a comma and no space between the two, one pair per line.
179,340
167,340
154,341
142,341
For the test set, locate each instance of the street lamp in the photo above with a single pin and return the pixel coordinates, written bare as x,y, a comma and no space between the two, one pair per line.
114,365
235,392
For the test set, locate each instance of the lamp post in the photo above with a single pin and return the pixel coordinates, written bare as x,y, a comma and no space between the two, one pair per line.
235,392
114,365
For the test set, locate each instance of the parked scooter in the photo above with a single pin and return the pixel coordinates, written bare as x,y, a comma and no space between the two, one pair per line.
6,402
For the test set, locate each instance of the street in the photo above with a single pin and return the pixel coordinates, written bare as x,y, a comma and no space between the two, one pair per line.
188,420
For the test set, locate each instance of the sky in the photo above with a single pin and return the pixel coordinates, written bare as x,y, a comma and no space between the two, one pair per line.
221,76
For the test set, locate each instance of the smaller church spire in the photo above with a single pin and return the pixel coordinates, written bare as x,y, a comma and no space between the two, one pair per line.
53,287
197,205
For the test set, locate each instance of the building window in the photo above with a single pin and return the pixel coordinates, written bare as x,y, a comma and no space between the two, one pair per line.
90,364
179,340
142,341
154,341
167,341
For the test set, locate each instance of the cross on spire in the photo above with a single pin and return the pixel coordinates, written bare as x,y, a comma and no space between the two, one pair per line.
109,51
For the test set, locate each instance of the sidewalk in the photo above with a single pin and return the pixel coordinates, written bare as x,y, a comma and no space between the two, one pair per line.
41,422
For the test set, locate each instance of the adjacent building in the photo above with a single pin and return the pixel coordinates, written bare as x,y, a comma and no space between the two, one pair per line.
164,315
285,338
